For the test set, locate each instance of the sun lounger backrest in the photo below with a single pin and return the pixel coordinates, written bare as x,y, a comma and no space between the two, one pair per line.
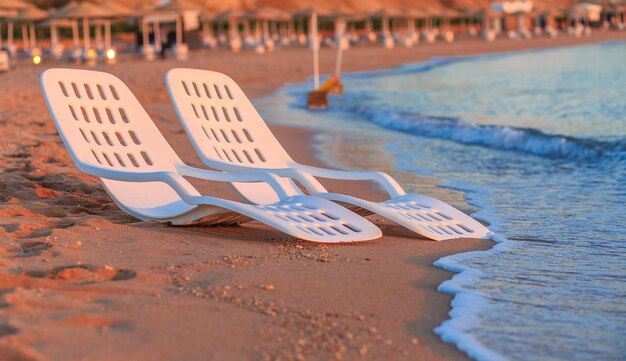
218,114
103,124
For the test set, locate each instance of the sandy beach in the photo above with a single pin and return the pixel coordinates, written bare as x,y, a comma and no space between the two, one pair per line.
79,279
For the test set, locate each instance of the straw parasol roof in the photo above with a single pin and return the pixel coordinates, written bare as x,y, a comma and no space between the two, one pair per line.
114,9
7,14
268,13
31,13
229,14
76,10
13,4
326,12
177,6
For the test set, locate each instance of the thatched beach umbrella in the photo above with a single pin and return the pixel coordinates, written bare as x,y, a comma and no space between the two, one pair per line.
488,17
10,8
232,17
84,10
385,14
262,17
178,8
112,10
28,16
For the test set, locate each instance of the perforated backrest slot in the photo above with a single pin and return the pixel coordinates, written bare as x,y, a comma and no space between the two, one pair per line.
96,156
121,139
237,115
146,158
247,134
195,88
206,133
226,155
217,91
75,88
206,90
260,155
225,136
119,160
215,115
217,152
110,116
134,137
101,92
236,136
124,116
63,90
132,159
85,116
95,138
107,139
217,138
245,152
73,112
88,91
84,135
226,114
228,92
96,113
236,155
114,92
106,157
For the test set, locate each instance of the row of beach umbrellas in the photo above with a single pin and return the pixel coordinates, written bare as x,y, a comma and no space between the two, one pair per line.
269,20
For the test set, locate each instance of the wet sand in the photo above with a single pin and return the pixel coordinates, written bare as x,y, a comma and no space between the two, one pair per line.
79,279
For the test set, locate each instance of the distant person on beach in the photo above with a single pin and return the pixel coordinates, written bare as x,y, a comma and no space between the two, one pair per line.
169,42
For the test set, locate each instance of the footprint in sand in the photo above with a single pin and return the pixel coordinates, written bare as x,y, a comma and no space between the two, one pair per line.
35,248
83,274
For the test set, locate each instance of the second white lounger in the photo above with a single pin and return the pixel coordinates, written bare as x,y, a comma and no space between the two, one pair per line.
110,135
229,134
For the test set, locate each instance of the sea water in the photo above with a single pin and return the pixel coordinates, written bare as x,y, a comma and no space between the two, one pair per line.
537,142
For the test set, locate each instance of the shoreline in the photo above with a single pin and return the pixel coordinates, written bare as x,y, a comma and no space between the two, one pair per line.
83,280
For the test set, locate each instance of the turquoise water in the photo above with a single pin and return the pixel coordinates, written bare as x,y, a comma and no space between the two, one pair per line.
537,142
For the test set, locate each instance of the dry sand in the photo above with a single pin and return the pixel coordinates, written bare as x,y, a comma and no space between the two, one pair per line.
80,280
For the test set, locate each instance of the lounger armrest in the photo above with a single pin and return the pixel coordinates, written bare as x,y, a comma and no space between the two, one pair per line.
256,176
389,184
173,179
114,174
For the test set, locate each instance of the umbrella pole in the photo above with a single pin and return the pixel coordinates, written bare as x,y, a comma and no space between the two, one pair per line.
315,48
158,43
316,98
179,30
1,41
10,35
107,34
25,38
33,36
144,30
75,34
258,32
266,31
341,31
246,29
87,39
54,36
385,25
98,36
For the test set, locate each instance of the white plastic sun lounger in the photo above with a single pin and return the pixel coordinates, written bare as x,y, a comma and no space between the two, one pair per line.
230,135
109,135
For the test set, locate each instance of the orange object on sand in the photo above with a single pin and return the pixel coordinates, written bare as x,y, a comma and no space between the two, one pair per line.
329,84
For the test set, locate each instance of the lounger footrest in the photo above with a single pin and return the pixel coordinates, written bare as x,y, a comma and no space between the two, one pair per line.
315,219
